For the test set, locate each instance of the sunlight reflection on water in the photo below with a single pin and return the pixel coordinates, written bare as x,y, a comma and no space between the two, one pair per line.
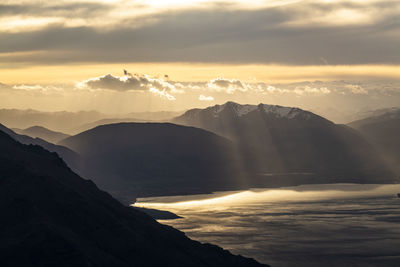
312,225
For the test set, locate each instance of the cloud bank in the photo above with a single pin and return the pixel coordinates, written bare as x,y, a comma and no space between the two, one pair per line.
206,98
222,87
295,32
111,93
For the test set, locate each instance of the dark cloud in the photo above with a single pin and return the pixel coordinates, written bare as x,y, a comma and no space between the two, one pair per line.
225,83
71,10
126,83
269,35
114,83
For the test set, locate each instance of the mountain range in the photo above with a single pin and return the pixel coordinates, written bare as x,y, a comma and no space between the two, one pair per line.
232,147
42,133
52,217
382,129
62,121
283,140
74,122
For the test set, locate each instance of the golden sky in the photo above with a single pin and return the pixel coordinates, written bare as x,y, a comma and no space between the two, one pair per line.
57,55
199,72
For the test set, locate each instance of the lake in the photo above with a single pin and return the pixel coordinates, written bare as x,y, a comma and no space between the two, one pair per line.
310,225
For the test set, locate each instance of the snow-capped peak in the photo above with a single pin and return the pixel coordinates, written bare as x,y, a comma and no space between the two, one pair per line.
281,112
241,110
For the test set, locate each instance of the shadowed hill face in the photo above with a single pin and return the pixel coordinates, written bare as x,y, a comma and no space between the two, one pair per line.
383,131
44,133
52,217
282,139
144,159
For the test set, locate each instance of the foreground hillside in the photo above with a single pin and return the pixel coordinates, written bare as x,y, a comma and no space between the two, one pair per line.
148,159
65,153
383,131
52,217
275,139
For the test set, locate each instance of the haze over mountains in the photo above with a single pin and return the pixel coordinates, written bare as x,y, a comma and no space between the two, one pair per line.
223,147
275,139
255,146
43,133
143,159
52,217
382,129
59,121
74,122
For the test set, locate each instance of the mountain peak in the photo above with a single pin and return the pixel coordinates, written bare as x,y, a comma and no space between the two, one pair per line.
283,112
243,109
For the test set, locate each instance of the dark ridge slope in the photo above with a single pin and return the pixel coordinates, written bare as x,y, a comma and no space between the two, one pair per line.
52,217
69,156
149,159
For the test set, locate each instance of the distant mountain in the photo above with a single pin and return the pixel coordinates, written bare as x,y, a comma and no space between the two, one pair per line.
154,115
368,113
43,133
91,125
278,140
60,121
152,159
67,154
52,217
382,129
75,122
377,116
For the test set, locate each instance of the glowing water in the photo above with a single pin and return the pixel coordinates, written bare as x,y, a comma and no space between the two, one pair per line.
314,225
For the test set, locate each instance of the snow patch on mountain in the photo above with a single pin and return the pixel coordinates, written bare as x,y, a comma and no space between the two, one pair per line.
281,112
241,110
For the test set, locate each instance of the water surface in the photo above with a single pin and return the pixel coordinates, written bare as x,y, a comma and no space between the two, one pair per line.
313,225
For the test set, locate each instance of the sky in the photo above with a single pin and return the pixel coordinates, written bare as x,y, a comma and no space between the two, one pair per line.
317,54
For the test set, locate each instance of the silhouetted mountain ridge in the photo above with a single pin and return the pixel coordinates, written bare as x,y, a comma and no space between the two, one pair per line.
276,139
91,125
52,217
43,133
67,154
149,159
383,131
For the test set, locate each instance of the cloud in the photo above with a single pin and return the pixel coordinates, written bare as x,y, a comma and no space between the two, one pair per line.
52,9
133,82
206,98
300,33
162,93
222,87
301,90
127,94
230,86
4,86
44,89
356,89
126,83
